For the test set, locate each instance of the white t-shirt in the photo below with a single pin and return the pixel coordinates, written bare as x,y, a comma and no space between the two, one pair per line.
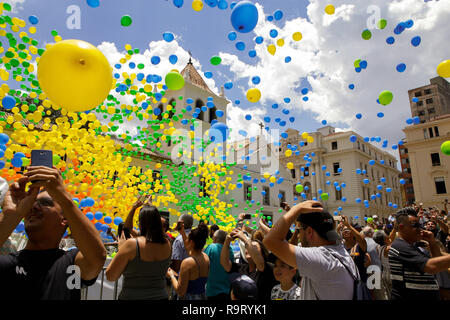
279,294
323,276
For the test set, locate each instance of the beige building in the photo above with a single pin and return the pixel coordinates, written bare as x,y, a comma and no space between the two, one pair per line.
429,166
433,100
335,160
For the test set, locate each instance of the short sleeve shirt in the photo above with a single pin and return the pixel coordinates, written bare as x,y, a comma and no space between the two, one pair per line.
324,277
40,275
218,279
178,250
409,281
279,294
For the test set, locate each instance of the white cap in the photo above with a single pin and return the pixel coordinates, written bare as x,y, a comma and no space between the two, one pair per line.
375,216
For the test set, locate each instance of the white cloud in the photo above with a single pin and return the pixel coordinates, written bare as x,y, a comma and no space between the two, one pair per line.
326,54
16,5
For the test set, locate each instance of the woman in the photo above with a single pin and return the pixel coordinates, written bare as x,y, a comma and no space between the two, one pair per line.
191,284
143,260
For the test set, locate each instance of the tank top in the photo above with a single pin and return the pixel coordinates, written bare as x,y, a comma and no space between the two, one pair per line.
144,280
196,289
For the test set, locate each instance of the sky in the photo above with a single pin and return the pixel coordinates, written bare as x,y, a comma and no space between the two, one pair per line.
322,62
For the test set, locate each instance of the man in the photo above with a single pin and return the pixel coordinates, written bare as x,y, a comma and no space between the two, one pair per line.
320,259
218,285
412,269
42,270
244,288
372,250
179,253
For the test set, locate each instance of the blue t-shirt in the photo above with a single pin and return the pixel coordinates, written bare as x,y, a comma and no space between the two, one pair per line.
218,278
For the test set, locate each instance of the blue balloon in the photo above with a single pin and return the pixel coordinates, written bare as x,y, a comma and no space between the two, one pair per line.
358,200
415,99
351,86
401,67
383,180
380,114
219,113
371,162
33,19
223,5
240,46
228,85
252,53
416,41
218,132
98,215
278,15
363,64
256,80
17,162
93,3
4,138
232,36
157,111
19,155
273,33
287,59
408,24
353,138
259,40
358,116
107,219
366,181
390,40
155,60
8,102
211,3
402,181
244,17
173,59
168,36
248,117
304,90
178,3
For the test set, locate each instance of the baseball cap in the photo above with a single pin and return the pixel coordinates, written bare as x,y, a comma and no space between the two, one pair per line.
322,222
244,288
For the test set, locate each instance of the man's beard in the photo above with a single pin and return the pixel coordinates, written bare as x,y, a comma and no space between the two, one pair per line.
304,242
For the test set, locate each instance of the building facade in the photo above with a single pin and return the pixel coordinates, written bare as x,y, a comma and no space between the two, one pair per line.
407,188
433,100
332,169
429,166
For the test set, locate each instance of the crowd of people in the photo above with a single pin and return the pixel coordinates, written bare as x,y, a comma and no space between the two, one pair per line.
326,257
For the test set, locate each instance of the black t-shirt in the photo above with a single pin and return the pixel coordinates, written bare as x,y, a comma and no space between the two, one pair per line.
40,275
265,280
359,257
409,281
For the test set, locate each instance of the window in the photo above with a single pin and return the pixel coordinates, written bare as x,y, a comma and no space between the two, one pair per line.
334,145
435,159
266,198
427,91
425,133
338,194
431,110
160,116
306,173
173,103
419,103
293,173
436,131
404,161
430,131
364,148
283,197
212,114
247,191
364,193
308,191
199,104
440,185
336,168
359,146
421,113
365,168
418,94
429,101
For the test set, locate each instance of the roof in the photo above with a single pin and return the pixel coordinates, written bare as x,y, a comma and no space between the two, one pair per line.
143,150
25,122
191,75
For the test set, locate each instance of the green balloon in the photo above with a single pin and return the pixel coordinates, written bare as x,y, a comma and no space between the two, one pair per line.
126,21
299,188
445,148
385,97
324,196
366,34
356,63
215,60
382,24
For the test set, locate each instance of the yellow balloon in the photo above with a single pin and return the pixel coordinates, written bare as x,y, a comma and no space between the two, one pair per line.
75,75
288,153
297,36
197,5
272,49
329,9
280,42
443,69
253,95
290,165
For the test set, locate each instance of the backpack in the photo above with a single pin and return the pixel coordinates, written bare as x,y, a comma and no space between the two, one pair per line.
360,290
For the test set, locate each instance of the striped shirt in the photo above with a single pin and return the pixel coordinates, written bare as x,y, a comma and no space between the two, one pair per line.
409,281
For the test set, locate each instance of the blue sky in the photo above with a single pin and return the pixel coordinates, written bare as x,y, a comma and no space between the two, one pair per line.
322,61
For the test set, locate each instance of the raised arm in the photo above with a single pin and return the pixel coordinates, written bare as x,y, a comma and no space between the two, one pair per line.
263,227
359,238
16,204
253,248
92,254
225,254
130,217
275,240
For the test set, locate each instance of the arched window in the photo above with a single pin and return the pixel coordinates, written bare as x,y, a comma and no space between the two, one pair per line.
212,114
161,107
199,104
172,102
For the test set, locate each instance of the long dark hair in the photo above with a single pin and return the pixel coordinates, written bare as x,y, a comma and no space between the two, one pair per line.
199,235
150,225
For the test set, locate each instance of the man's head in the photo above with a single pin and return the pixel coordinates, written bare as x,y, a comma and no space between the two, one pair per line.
165,224
380,237
219,236
213,229
368,232
408,225
45,220
282,271
317,229
188,221
430,226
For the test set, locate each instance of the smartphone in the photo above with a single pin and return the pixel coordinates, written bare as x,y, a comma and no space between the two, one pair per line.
337,218
42,158
239,224
247,216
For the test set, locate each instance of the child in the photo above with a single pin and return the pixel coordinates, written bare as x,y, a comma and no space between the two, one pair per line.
287,289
